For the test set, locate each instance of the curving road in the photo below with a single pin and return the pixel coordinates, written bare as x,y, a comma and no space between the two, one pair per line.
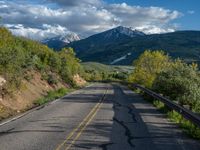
101,116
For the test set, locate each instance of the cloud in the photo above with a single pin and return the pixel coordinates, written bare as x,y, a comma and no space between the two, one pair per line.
139,16
153,29
69,3
47,31
85,17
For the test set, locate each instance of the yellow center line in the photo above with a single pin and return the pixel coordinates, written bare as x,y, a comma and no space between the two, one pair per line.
82,125
81,131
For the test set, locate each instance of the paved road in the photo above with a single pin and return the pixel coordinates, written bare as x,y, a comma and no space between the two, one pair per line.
102,116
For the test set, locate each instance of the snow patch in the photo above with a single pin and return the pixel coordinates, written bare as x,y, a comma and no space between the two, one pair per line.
129,31
120,59
67,38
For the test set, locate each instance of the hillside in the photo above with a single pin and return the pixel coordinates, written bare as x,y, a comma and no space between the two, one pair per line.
124,49
29,70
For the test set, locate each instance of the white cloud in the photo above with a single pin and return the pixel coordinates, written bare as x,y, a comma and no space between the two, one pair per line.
153,29
69,3
135,16
84,17
47,31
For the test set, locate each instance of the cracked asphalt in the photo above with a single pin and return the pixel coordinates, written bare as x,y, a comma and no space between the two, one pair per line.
102,116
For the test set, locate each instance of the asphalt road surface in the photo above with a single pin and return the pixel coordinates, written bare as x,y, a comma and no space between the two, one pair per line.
101,116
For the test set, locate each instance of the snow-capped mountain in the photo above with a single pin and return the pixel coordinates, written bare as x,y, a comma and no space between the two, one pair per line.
61,41
118,34
127,31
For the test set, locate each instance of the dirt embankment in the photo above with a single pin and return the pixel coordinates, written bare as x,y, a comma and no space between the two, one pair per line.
79,81
24,98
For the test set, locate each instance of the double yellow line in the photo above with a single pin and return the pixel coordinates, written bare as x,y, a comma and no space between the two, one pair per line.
76,132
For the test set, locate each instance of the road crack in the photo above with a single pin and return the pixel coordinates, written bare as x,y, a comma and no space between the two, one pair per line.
130,111
127,132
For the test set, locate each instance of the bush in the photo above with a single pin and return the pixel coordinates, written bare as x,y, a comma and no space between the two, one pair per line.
52,79
180,82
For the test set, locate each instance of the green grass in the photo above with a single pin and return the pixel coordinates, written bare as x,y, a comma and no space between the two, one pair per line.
188,127
52,95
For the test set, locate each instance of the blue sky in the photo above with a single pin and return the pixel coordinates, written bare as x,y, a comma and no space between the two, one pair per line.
40,19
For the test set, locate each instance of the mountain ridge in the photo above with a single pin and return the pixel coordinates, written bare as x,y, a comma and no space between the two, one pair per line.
122,45
178,44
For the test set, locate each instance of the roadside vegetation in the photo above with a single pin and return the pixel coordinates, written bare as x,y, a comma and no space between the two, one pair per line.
19,56
174,79
24,64
52,95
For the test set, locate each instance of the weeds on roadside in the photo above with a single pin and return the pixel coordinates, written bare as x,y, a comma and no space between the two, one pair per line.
188,127
52,95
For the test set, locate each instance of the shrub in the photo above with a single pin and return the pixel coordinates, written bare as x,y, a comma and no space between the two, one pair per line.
180,82
52,79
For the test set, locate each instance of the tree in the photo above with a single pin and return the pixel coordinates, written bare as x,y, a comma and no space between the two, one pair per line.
148,66
69,64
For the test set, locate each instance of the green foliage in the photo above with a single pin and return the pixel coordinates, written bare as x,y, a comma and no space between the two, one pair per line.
52,95
187,126
180,82
147,66
69,64
175,79
19,55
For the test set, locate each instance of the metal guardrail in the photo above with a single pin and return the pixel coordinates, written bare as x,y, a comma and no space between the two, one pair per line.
187,114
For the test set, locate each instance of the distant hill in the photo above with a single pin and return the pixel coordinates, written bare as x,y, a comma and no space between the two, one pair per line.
121,45
107,68
101,72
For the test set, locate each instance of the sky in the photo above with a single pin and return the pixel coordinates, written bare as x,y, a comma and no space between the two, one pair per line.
41,19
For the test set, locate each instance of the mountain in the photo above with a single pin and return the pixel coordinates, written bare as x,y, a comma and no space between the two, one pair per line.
119,32
121,45
61,41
